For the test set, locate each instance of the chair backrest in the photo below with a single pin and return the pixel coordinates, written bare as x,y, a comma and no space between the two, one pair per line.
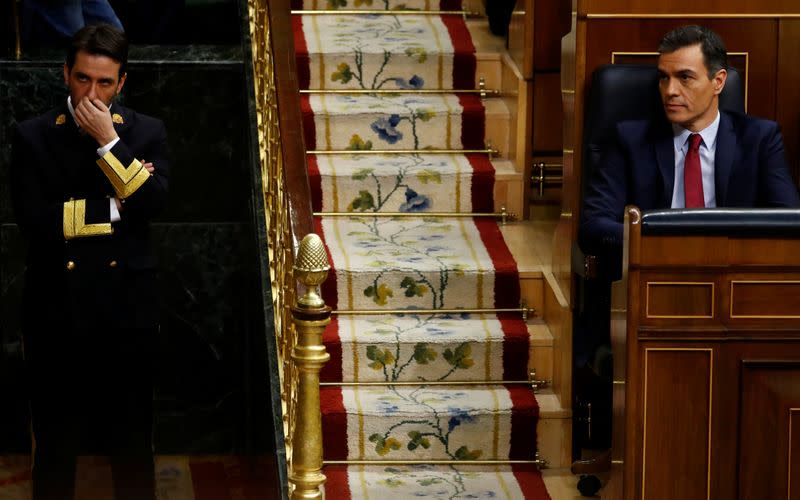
622,92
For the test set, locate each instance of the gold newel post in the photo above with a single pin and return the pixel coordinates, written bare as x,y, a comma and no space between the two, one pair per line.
310,316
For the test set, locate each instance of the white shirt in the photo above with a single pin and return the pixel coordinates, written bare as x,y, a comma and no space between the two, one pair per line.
708,149
114,213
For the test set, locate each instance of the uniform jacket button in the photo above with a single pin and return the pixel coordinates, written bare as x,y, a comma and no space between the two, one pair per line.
113,263
70,266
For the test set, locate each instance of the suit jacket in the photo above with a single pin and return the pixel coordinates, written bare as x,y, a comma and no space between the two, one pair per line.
83,270
639,169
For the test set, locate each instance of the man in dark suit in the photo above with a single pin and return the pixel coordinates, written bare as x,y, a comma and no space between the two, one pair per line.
86,180
694,156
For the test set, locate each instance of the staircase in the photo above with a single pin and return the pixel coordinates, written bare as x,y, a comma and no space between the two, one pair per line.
413,172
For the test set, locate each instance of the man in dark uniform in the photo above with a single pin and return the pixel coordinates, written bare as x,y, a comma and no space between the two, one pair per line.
86,179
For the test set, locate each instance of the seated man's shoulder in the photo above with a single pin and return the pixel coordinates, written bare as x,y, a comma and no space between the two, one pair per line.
635,131
746,125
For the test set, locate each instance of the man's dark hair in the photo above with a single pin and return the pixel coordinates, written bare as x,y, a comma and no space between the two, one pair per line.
100,40
715,55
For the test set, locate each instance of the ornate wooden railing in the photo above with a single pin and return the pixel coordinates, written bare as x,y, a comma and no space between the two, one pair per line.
287,219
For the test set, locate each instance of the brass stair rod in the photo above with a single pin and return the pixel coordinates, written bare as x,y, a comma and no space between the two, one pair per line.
527,312
492,92
454,383
406,12
488,151
376,312
436,462
469,215
310,316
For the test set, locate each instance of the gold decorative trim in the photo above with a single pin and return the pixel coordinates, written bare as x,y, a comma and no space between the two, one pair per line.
746,55
117,118
61,119
75,222
762,316
710,408
124,180
695,283
789,460
691,16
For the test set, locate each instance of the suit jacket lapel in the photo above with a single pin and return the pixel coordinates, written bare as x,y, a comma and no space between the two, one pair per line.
723,158
665,156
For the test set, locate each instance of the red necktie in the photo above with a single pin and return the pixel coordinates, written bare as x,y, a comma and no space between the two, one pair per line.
692,177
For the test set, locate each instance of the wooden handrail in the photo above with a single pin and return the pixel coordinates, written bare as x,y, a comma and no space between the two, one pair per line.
291,122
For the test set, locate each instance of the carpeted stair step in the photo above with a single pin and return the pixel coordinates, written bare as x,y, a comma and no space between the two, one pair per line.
491,422
391,122
382,263
411,482
376,4
415,348
402,183
377,52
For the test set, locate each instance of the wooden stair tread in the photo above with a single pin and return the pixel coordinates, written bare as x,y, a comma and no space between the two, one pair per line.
530,243
540,335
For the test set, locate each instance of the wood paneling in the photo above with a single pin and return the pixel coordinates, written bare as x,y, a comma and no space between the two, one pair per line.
547,114
679,7
677,414
756,37
769,391
677,300
794,454
788,90
765,299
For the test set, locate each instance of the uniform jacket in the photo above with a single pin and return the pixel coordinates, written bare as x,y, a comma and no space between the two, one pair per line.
81,268
639,169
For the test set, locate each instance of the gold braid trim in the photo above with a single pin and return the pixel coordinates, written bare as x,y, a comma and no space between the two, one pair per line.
75,225
125,181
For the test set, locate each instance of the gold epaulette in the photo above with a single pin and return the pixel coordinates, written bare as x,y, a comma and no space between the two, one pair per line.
125,181
75,225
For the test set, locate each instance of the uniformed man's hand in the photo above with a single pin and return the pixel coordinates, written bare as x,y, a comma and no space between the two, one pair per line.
94,117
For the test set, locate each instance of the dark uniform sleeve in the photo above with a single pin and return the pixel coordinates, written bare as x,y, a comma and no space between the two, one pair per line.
51,220
143,194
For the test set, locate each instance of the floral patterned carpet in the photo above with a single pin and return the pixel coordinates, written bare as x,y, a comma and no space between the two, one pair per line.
441,395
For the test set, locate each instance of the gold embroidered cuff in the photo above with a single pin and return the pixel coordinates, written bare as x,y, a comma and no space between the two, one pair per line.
125,181
75,225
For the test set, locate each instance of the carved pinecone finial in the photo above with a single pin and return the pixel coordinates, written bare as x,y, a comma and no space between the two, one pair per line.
311,269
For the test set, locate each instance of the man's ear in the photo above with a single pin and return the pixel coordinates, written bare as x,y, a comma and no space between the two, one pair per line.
121,82
719,81
66,75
